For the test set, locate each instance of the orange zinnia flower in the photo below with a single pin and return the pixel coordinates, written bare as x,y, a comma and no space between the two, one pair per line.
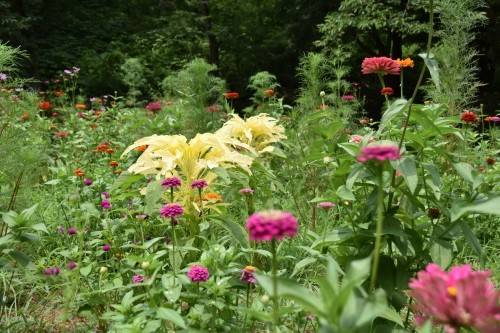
79,172
113,164
231,95
212,196
25,116
141,148
45,105
405,63
102,147
109,151
80,106
269,92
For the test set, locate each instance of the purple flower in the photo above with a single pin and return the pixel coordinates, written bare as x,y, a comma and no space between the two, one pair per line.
198,273
3,77
106,204
52,271
72,231
171,210
379,152
199,184
247,275
61,230
271,224
246,191
106,247
326,205
105,195
137,278
71,265
171,182
68,71
87,181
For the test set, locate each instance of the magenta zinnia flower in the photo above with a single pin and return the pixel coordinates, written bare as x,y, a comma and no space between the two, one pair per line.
246,191
379,152
87,181
271,224
348,98
199,183
106,247
106,204
171,182
71,265
72,231
52,271
380,65
153,106
247,275
171,210
326,205
198,273
138,278
458,298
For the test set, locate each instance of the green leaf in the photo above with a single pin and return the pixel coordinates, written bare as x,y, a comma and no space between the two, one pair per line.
28,213
85,271
302,264
358,270
151,242
345,194
433,67
235,229
408,169
472,239
441,253
489,206
40,227
392,315
89,209
154,191
20,257
170,315
125,180
394,109
293,290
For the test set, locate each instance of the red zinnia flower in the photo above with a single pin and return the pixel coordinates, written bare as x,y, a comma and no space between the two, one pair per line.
231,95
387,91
468,117
79,172
269,92
113,164
380,65
45,105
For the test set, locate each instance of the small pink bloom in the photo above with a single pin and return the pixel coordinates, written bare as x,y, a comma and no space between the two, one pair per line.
379,152
348,98
71,265
247,275
326,205
198,273
271,224
138,278
246,191
153,106
106,247
171,182
106,204
356,138
171,210
199,183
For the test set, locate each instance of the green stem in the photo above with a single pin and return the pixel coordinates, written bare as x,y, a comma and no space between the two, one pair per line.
379,229
276,306
382,82
174,240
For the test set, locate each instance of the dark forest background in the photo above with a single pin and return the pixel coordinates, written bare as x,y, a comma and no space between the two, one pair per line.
241,37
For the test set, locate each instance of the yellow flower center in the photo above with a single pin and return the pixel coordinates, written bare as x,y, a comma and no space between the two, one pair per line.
250,269
452,291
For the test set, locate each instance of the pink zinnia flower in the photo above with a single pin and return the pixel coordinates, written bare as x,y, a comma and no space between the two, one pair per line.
460,298
348,98
246,191
387,91
71,265
271,224
72,231
138,278
153,106
106,204
198,273
356,138
247,275
380,152
106,247
326,205
171,182
52,271
171,210
380,65
87,181
199,183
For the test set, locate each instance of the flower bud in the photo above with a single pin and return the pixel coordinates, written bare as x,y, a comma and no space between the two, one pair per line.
264,299
145,265
322,93
103,270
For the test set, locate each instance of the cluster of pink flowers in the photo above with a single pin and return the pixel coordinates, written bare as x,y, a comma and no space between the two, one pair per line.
199,183
380,66
380,152
198,273
458,298
171,182
271,225
171,210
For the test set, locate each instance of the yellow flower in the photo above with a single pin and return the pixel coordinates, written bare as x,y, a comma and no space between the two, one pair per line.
408,62
258,132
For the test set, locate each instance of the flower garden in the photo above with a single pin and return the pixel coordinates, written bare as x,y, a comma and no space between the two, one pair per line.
185,212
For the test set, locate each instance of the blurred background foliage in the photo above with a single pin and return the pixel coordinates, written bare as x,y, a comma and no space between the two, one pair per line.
240,37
